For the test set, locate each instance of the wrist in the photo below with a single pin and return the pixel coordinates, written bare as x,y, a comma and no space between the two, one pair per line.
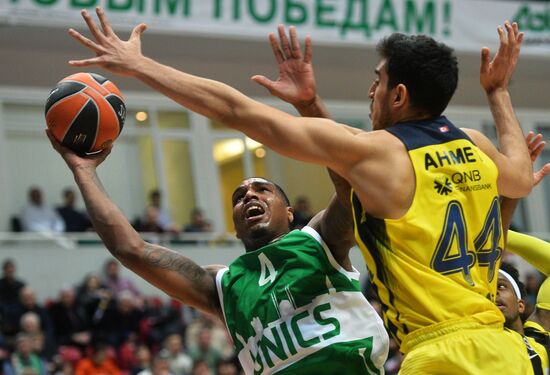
83,171
497,92
141,66
308,107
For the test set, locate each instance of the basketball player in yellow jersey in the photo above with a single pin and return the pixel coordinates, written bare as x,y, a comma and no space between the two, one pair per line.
537,253
533,250
296,85
451,246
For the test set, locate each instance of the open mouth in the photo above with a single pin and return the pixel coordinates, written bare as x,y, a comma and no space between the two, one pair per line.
253,210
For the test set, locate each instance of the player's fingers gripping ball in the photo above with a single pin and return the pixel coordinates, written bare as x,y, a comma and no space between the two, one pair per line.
85,111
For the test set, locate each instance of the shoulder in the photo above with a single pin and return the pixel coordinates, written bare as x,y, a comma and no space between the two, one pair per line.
475,135
213,269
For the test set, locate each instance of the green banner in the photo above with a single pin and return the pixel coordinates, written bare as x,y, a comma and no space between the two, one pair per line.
463,24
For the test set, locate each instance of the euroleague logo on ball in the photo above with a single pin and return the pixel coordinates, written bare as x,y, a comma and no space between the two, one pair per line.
85,111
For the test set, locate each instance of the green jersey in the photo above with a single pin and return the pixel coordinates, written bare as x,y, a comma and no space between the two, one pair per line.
292,309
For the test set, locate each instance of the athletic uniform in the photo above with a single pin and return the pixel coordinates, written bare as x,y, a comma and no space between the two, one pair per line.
292,309
537,253
435,268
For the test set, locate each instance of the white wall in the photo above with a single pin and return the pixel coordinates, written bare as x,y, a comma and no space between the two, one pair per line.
34,162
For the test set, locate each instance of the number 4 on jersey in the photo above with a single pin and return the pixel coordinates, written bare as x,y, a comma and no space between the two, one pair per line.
448,262
267,271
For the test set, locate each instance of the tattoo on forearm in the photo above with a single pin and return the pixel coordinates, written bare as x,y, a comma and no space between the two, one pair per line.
173,261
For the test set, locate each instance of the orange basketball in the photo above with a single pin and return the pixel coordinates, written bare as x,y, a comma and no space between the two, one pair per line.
84,111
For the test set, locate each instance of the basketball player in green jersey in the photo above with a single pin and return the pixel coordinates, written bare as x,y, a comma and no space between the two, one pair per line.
292,304
432,243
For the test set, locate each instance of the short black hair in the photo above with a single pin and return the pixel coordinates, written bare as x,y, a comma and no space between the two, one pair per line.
279,189
427,68
514,273
8,262
68,191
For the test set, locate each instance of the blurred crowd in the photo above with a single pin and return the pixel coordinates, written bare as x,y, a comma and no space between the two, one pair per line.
104,325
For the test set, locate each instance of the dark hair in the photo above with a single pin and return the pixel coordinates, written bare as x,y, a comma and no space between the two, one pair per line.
427,68
67,191
280,190
514,273
8,262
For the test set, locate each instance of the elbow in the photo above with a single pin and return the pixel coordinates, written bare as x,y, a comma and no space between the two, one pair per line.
129,252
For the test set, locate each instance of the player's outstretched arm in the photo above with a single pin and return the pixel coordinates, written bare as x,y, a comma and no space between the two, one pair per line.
291,136
296,85
535,145
178,276
513,161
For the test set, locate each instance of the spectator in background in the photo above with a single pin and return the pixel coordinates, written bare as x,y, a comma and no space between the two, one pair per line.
75,221
115,282
198,222
203,350
302,212
162,218
201,367
93,297
27,303
150,222
161,319
10,285
227,367
122,319
23,360
30,324
159,366
97,363
40,217
180,363
143,359
69,320
219,337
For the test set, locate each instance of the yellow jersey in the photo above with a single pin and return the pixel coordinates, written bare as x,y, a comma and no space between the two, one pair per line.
439,262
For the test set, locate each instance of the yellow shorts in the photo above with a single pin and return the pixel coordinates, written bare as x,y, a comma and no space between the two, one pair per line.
465,347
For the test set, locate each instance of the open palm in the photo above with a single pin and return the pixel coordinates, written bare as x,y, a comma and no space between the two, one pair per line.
296,81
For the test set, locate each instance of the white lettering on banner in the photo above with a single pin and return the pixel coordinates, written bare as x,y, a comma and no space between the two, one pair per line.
465,25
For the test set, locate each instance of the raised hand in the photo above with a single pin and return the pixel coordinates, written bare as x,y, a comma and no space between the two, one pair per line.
496,74
112,53
75,161
296,81
535,144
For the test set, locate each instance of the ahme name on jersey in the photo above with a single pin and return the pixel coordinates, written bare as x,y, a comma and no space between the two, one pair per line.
438,159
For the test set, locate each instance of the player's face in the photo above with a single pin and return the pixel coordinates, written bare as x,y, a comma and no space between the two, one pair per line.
259,211
379,95
507,301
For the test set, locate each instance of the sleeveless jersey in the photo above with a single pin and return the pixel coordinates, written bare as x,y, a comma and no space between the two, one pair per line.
538,356
439,261
292,309
537,332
